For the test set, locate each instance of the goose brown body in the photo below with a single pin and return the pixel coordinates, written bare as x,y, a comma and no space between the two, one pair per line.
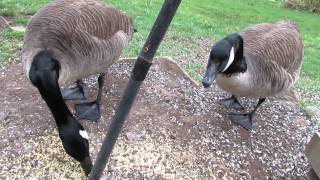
273,54
65,41
85,36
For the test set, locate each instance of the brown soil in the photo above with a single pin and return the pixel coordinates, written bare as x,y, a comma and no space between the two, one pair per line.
175,130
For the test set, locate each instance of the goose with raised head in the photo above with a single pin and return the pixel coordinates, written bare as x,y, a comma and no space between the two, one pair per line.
260,61
65,41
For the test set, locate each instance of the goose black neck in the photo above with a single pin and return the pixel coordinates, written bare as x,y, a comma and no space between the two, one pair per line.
50,92
44,74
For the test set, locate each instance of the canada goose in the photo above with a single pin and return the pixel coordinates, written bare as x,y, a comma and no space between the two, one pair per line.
260,61
66,41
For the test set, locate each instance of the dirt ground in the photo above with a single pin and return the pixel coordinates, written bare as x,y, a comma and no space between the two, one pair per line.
176,130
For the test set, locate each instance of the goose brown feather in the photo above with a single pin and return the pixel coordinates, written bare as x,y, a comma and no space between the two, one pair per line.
273,53
85,36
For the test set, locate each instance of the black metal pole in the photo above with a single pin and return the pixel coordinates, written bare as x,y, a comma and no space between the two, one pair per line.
139,73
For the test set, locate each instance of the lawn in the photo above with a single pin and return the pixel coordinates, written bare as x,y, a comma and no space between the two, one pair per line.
195,19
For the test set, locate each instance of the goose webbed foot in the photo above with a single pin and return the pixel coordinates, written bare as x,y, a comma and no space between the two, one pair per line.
88,110
231,103
91,110
244,120
74,93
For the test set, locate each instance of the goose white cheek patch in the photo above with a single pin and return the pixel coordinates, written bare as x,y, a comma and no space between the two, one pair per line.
84,134
231,59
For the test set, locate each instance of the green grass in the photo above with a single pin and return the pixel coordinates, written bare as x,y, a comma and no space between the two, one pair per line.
193,69
22,7
13,35
20,20
305,104
7,49
197,18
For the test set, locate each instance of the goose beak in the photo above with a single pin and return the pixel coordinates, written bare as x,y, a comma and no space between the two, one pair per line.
86,165
210,76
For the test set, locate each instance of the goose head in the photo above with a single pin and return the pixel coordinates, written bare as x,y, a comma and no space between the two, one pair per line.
226,58
75,142
44,74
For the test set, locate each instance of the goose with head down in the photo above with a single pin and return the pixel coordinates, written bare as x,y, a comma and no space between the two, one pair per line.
65,41
260,61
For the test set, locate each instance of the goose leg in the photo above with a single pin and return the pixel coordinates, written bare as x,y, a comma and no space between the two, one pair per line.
245,120
91,110
74,93
231,103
